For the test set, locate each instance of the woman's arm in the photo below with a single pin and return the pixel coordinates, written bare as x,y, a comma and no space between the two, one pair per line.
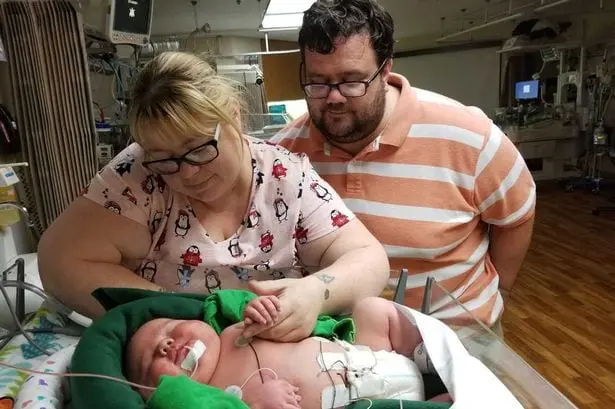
87,248
354,265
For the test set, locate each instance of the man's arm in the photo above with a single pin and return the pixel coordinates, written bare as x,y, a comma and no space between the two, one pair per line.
505,197
507,250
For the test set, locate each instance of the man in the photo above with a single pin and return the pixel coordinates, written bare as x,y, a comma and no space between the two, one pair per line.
436,182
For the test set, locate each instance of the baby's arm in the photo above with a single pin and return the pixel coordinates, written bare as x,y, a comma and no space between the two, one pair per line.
262,310
272,394
381,326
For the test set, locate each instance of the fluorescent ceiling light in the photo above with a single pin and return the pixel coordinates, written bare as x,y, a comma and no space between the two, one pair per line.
282,20
286,6
271,30
284,13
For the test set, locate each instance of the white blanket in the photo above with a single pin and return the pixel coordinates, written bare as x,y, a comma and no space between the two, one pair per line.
470,383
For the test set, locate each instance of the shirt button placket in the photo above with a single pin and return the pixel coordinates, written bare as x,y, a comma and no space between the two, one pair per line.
353,178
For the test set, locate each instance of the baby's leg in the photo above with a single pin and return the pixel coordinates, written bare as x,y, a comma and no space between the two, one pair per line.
381,326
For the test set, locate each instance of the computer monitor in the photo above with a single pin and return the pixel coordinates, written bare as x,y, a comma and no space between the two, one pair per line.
527,90
130,21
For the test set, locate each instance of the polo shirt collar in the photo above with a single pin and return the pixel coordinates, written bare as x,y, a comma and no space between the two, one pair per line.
394,133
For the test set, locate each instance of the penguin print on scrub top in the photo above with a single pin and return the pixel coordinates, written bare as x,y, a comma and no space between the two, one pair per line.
148,271
212,281
301,233
321,191
125,166
253,218
182,224
290,206
233,247
243,274
113,206
192,259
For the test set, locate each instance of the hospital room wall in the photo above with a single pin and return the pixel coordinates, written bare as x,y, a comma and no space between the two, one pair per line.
471,77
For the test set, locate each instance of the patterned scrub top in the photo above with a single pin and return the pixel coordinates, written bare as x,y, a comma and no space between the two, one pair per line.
290,207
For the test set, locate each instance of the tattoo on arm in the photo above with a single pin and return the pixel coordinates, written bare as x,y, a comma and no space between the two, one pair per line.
327,279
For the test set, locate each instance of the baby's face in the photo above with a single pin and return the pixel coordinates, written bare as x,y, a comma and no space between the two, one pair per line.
159,347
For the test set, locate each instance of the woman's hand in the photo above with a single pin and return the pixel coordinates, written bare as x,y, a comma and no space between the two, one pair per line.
273,394
300,304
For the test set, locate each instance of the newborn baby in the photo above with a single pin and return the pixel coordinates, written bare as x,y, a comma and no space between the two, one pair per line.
270,375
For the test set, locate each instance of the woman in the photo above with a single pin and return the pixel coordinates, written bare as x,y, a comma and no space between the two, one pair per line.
194,205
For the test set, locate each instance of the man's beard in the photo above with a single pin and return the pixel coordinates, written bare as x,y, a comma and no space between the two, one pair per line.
356,126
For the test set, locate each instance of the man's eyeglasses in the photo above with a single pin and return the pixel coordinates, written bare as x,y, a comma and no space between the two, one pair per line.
199,156
348,89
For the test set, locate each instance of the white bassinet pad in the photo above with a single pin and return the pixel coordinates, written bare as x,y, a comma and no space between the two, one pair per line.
469,382
46,392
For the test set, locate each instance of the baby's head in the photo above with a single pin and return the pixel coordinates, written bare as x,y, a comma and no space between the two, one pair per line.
160,346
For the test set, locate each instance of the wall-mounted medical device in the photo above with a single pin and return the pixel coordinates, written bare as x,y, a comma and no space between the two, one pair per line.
130,21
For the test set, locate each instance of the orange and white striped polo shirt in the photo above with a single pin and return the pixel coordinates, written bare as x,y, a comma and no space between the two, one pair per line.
428,188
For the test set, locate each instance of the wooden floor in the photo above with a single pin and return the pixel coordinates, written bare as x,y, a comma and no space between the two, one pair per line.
561,316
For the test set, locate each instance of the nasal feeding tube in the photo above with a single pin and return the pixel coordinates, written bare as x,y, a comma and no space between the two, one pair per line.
232,389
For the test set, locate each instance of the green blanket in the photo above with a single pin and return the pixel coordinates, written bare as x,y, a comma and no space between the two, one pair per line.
101,348
224,308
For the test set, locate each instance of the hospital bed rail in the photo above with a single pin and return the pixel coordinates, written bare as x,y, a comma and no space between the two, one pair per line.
17,311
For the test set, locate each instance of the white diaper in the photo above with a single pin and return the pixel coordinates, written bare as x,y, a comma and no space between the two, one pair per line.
370,375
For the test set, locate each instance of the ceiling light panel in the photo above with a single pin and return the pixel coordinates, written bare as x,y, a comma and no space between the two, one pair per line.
285,14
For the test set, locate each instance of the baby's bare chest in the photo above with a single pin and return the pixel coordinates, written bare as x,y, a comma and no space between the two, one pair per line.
297,363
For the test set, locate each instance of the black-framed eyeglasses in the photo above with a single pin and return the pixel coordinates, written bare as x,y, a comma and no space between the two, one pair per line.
348,89
199,156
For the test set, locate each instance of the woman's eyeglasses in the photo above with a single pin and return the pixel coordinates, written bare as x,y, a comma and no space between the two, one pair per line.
199,156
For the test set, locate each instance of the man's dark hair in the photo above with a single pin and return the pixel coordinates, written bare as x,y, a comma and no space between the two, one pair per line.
328,20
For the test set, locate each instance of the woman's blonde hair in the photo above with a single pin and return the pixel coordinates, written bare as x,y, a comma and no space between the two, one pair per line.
181,96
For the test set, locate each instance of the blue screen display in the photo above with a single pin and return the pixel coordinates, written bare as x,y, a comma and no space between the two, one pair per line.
527,90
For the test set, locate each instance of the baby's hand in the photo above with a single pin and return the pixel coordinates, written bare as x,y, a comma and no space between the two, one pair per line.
274,394
262,310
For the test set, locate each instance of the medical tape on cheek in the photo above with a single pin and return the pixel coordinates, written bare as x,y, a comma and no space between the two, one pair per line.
194,354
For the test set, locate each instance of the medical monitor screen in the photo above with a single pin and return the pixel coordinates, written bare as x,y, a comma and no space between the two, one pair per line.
132,16
527,90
